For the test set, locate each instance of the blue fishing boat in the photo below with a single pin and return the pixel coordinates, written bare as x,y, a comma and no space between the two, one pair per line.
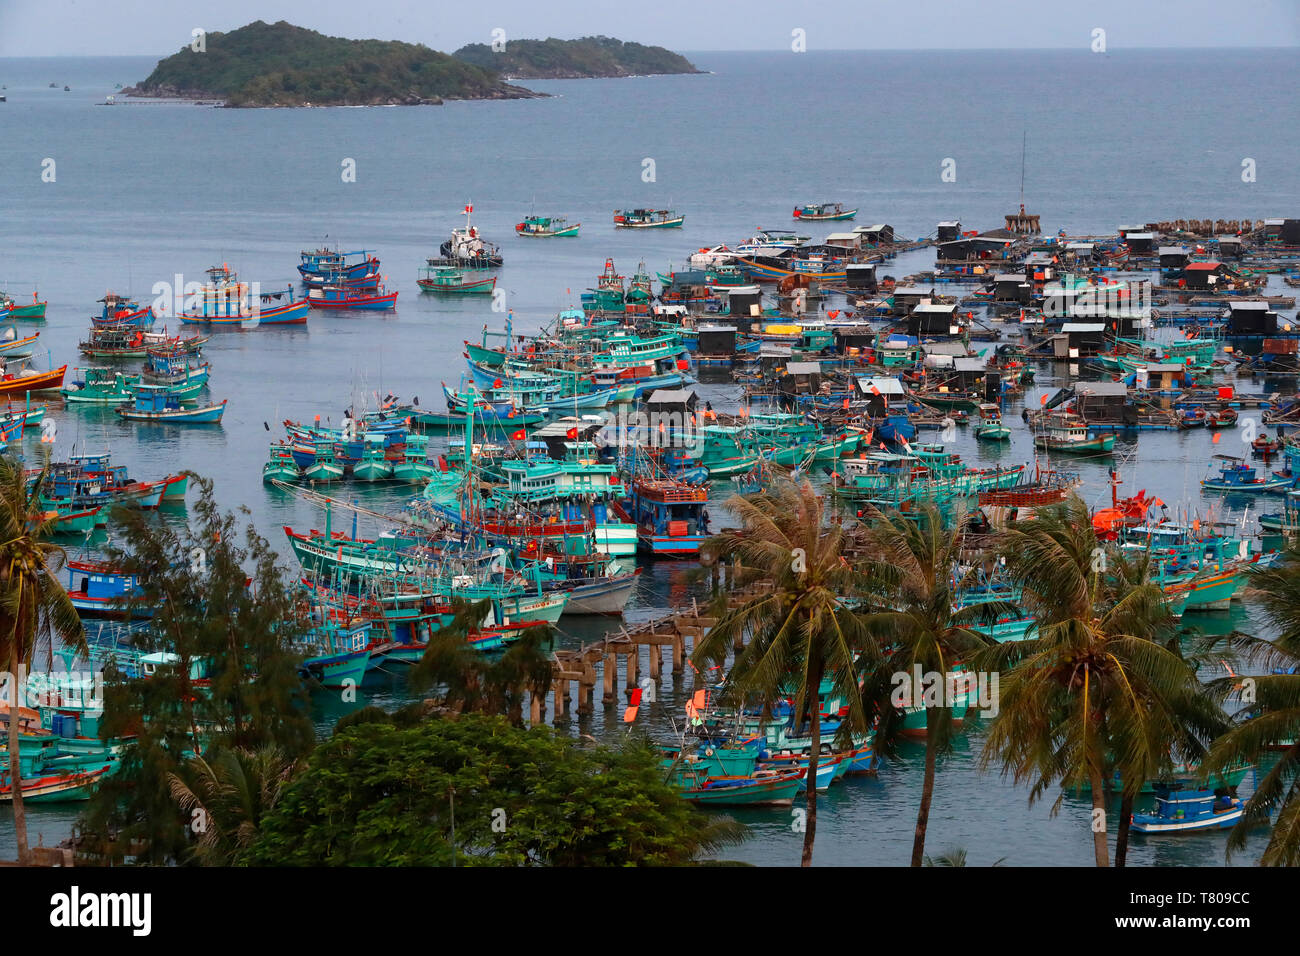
669,515
1235,476
338,653
227,303
100,591
332,265
121,312
1185,808
159,403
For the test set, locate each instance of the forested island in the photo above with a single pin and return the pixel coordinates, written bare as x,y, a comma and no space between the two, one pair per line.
279,64
553,59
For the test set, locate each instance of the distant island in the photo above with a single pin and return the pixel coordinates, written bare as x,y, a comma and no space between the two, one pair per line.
553,59
280,64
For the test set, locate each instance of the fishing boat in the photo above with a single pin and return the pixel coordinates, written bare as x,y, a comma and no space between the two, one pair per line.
375,465
98,590
1186,808
827,211
24,381
669,515
415,466
347,297
281,466
127,342
546,227
764,788
1235,476
324,466
119,312
225,302
159,403
647,219
14,345
330,265
100,386
32,311
338,652
1068,433
990,426
466,249
451,281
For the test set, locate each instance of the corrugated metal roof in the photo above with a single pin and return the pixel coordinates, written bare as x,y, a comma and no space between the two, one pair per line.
1084,327
671,396
886,386
804,368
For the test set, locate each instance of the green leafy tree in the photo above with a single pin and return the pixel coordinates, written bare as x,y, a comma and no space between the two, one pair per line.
802,628
33,603
475,790
228,622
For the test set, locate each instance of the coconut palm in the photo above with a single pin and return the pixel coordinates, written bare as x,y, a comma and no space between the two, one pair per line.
1093,689
802,628
33,603
1271,721
915,559
227,796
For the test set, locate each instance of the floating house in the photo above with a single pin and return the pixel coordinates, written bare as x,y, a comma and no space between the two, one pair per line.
929,319
948,231
1140,243
1172,257
880,234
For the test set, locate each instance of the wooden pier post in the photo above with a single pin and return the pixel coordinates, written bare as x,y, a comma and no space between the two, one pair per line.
633,667
656,652
611,677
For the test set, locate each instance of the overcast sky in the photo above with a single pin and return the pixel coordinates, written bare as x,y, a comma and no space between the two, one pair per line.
160,27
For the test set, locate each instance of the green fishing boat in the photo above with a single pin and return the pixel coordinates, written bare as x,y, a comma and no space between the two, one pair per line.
325,465
546,227
450,281
990,426
415,467
10,309
374,465
280,466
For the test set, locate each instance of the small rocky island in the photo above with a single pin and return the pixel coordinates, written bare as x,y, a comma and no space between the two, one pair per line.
553,59
280,64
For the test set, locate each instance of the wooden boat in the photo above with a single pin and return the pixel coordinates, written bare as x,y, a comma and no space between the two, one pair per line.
226,302
546,227
324,466
101,386
30,380
346,297
450,281
1186,808
32,312
647,219
763,788
1236,477
159,403
991,426
1068,433
120,312
13,345
374,465
281,465
127,342
824,212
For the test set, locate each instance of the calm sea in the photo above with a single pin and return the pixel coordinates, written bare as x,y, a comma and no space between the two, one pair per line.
144,191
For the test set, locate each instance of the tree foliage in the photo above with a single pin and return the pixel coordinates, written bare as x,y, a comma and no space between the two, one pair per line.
379,794
587,57
226,613
280,64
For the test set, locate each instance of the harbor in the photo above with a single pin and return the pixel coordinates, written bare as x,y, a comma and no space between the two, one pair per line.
421,409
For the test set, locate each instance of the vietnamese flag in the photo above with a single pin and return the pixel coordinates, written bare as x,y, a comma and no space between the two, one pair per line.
519,435
497,383
571,434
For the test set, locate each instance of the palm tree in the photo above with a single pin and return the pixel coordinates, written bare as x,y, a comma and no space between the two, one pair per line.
802,628
1093,689
915,559
33,603
1272,719
229,795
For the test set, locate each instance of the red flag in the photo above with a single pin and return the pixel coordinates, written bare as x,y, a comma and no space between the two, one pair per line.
1215,439
497,383
571,434
519,435
636,698
469,208
874,390
1042,400
629,715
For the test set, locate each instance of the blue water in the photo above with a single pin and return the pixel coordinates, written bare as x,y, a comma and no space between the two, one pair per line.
143,191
